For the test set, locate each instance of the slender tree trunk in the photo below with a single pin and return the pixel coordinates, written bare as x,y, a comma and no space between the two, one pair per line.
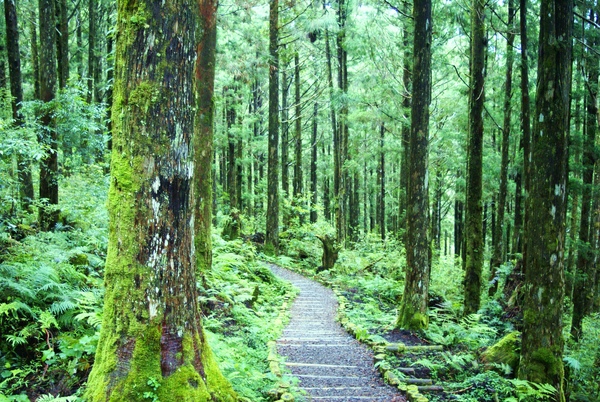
109,79
62,42
78,55
525,113
406,81
48,212
272,235
542,341
341,203
16,92
203,140
298,131
458,226
285,139
92,54
231,150
313,166
436,219
584,286
381,182
474,220
327,189
498,257
413,308
35,59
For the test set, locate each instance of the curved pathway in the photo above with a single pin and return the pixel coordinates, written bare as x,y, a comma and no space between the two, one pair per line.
330,364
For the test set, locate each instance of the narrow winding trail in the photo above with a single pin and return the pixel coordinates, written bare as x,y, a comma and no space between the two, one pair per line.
330,364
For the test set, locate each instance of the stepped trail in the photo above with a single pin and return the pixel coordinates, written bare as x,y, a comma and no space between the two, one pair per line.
330,364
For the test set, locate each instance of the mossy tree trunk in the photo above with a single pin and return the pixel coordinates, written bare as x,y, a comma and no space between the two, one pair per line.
298,182
62,42
47,136
272,235
413,308
542,342
334,137
474,245
341,146
381,183
313,166
406,81
203,140
583,293
16,92
151,329
498,256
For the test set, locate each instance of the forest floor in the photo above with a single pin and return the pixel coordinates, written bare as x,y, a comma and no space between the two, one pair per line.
330,364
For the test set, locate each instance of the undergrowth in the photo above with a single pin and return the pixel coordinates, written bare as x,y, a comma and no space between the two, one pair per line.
51,293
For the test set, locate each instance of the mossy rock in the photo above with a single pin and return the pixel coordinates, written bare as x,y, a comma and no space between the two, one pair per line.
505,351
79,259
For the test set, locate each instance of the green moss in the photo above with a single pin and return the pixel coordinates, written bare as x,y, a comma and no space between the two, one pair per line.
144,95
505,351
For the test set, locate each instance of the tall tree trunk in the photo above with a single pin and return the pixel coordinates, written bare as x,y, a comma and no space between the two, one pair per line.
231,149
78,55
354,207
341,204
48,212
406,96
525,113
436,219
35,59
92,51
474,219
327,188
152,323
62,42
498,257
583,293
381,182
203,135
458,226
313,166
413,308
298,130
109,79
16,92
542,341
334,134
272,235
285,139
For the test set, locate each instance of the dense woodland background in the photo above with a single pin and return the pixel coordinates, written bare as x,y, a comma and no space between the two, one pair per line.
333,134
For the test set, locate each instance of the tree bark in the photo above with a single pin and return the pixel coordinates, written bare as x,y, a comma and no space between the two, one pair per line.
313,166
285,139
412,313
498,257
204,133
62,42
152,325
381,183
272,235
474,207
298,131
406,96
16,92
542,341
47,136
341,203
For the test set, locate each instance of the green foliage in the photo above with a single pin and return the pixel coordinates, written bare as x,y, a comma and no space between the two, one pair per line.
582,362
241,300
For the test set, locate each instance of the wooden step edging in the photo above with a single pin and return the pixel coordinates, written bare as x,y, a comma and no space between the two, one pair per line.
412,387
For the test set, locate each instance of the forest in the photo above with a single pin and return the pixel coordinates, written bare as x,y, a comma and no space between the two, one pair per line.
433,162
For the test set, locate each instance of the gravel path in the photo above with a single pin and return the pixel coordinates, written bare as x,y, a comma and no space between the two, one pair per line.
330,364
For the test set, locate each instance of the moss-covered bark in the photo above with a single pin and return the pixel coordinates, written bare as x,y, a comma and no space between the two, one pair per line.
203,140
152,338
542,342
413,309
474,246
272,235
